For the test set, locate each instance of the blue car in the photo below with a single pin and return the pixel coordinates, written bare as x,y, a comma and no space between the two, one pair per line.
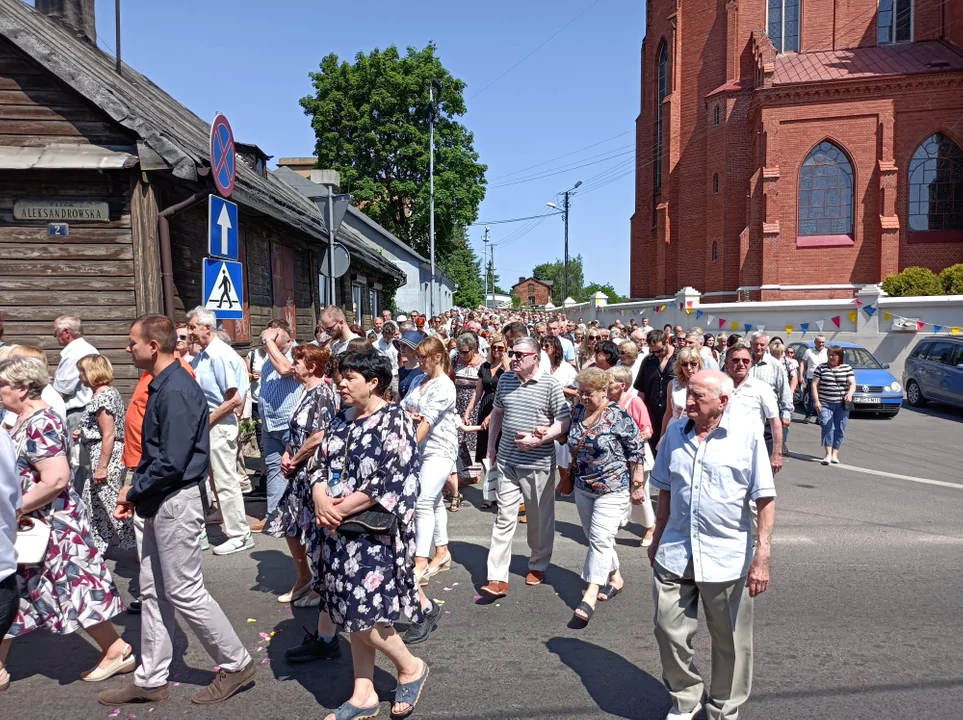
934,371
877,390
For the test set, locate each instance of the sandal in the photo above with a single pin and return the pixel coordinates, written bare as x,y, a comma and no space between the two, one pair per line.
608,592
585,608
4,679
409,693
350,712
455,503
487,505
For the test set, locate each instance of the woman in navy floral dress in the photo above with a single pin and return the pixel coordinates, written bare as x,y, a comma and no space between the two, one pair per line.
72,588
369,460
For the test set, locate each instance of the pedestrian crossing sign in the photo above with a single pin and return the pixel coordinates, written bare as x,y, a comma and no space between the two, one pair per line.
224,288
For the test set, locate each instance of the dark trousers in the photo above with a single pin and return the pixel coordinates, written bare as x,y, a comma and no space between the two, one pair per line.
9,603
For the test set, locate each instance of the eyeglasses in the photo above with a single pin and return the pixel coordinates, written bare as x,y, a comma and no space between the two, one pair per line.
420,357
330,330
518,354
740,361
689,364
182,337
586,393
498,348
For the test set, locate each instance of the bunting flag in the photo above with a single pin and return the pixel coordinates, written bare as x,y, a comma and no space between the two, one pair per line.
746,327
852,317
937,328
711,321
835,320
869,310
805,327
663,306
858,303
954,331
920,324
681,305
722,323
656,309
760,328
887,316
699,314
735,325
688,309
819,324
789,329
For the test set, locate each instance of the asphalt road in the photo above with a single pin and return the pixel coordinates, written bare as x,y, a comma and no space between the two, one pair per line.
862,618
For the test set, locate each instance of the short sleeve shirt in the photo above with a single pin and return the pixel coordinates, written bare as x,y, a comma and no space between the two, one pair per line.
218,370
540,401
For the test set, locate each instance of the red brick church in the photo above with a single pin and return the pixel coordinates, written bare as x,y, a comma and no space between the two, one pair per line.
794,148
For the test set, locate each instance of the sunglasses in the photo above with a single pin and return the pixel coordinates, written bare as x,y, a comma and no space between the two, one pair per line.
498,348
740,361
182,337
689,364
518,354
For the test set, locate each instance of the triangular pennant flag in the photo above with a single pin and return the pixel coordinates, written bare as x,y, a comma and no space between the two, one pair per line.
688,303
852,317
688,309
735,325
887,316
805,327
835,320
760,328
858,303
920,324
789,329
954,331
681,305
746,327
937,328
655,309
819,324
722,323
699,314
711,320
869,310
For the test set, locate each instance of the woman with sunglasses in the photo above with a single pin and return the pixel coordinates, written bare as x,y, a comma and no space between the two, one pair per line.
484,401
565,374
688,361
585,357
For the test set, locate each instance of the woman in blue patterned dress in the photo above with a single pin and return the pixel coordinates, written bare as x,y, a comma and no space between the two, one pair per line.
607,465
293,519
72,588
369,460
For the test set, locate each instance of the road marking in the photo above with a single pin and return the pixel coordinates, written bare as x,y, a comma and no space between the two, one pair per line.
882,473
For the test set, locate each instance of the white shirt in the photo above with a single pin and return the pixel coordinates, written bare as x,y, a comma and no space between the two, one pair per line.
707,359
434,400
711,482
10,502
814,359
49,396
565,374
339,346
544,364
67,380
389,350
754,399
220,369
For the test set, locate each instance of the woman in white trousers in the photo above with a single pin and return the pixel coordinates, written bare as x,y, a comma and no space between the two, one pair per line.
431,403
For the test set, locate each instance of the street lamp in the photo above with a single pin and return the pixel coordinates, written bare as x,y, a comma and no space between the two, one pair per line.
432,113
565,208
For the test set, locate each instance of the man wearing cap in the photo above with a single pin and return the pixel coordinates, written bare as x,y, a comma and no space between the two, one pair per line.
409,371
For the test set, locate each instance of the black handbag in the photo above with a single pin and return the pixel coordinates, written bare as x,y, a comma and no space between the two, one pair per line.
370,521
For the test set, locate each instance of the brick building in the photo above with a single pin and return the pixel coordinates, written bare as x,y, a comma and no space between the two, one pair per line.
532,292
796,148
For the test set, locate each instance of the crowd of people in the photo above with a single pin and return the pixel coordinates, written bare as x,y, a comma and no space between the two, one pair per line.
366,440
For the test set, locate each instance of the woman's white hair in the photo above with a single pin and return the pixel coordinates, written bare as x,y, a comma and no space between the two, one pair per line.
25,372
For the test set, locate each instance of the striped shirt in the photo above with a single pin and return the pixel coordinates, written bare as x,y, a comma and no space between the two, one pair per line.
279,396
773,373
833,382
540,401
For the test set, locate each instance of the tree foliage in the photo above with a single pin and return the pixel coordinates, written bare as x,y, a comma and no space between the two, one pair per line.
370,119
589,290
464,267
913,282
555,272
951,279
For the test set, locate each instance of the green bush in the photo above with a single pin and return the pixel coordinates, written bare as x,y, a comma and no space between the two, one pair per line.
952,279
913,282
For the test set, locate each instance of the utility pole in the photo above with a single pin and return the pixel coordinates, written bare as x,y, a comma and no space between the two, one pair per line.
566,243
488,267
432,112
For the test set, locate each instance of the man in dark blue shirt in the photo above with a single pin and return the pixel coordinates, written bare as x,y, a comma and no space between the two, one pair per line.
166,497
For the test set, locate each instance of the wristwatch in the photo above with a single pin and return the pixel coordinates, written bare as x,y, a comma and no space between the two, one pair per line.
636,484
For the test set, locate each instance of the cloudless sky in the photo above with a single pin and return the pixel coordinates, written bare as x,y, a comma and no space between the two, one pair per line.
250,59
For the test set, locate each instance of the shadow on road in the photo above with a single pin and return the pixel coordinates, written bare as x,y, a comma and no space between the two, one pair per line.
944,412
617,686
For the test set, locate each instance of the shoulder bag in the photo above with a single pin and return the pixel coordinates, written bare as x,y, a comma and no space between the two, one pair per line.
33,537
370,521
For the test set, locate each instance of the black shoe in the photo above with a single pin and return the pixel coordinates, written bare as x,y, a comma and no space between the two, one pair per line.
313,648
133,607
418,632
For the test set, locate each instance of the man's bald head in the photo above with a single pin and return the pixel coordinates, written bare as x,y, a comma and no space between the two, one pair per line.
707,394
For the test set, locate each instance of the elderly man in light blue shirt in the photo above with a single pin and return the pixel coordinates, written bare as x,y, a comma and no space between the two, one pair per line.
222,376
708,469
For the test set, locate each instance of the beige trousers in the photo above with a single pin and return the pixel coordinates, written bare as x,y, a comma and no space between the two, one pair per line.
536,488
171,579
728,611
226,479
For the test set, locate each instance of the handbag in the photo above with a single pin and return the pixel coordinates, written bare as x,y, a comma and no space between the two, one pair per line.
33,537
370,521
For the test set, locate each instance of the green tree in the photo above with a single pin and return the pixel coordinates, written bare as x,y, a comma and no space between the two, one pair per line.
589,290
370,119
491,281
951,279
555,272
913,282
463,266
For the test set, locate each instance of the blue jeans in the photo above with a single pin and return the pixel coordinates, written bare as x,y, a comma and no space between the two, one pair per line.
832,419
274,442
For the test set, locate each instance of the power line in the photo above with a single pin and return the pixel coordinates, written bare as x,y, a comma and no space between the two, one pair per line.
512,220
613,155
574,152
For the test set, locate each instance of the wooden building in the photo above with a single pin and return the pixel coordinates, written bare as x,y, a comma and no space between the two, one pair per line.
91,158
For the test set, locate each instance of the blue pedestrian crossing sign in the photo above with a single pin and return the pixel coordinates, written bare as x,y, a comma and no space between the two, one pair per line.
224,288
221,228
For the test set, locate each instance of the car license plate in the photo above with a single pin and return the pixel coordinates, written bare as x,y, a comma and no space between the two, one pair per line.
870,400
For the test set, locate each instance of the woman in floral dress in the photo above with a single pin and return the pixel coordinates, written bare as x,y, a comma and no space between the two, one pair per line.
293,519
101,432
369,460
72,588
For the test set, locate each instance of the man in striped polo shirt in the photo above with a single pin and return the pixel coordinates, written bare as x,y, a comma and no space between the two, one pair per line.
526,399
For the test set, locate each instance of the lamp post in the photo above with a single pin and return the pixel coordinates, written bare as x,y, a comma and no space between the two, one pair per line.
488,266
565,207
432,112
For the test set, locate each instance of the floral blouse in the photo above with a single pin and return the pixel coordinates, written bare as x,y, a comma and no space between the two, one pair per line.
601,453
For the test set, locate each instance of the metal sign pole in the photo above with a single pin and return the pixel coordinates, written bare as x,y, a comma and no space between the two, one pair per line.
431,221
331,234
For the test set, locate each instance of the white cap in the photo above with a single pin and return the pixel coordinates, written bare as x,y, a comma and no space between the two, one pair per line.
402,318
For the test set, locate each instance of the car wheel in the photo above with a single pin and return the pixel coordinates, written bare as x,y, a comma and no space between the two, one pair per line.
913,394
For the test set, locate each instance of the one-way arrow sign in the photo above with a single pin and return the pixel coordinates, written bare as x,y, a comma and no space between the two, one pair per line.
222,228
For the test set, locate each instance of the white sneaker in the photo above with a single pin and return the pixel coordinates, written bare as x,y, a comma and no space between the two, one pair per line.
684,715
229,547
205,545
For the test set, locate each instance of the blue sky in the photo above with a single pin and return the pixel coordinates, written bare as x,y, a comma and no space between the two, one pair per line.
250,59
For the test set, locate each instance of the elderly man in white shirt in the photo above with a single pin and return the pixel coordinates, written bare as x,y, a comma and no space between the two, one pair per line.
709,467
222,376
69,332
754,400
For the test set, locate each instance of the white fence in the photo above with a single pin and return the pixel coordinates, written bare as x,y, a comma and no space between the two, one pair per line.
887,326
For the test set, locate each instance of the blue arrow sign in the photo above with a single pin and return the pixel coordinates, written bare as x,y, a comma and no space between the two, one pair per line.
224,288
221,228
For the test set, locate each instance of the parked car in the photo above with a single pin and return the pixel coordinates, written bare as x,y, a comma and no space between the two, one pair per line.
877,390
934,371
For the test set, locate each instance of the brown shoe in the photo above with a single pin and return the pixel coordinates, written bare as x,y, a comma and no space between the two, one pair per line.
132,694
495,589
535,577
522,517
225,684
